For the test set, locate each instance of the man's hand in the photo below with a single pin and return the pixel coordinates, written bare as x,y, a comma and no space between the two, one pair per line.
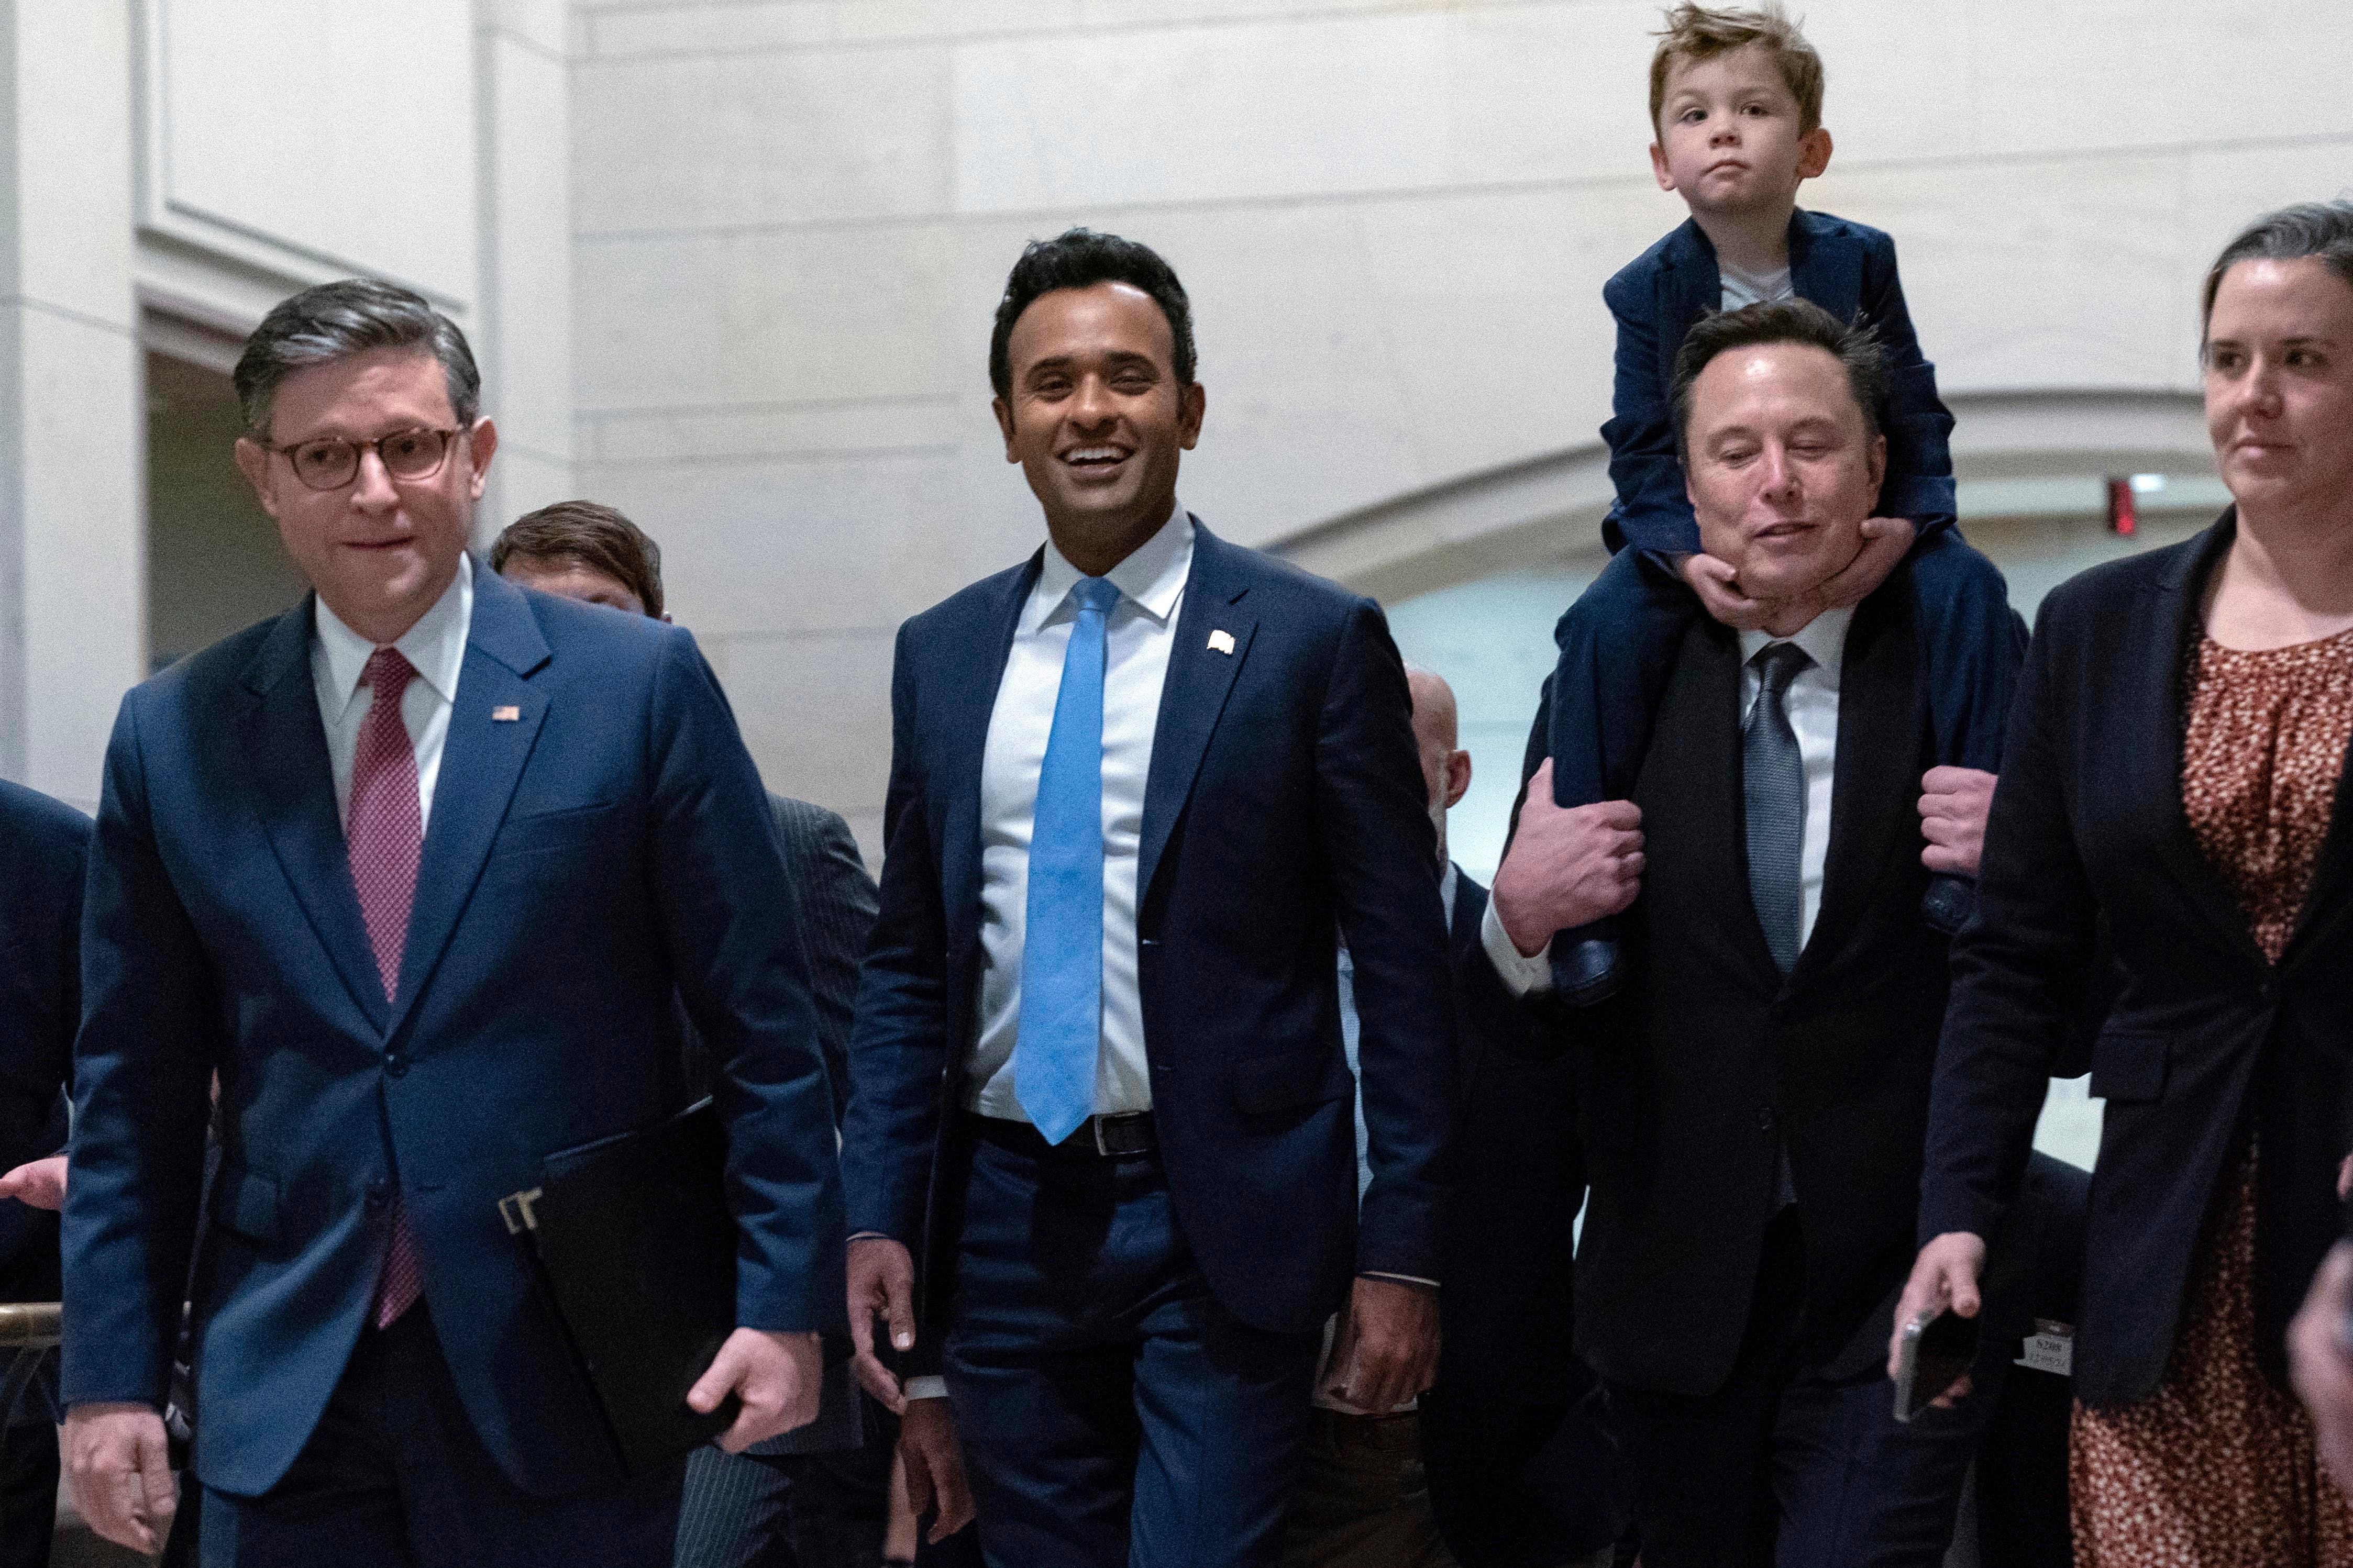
934,1458
1386,1349
776,1375
1945,1276
1568,866
1953,806
121,1476
881,1285
40,1183
2320,1364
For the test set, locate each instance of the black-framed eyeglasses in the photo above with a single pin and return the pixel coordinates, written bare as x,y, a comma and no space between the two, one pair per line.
329,462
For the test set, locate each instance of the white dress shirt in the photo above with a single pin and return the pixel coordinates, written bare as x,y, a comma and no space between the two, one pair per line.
1812,705
1137,637
435,645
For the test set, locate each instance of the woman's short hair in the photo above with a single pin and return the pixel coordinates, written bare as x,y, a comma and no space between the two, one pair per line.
586,533
2321,229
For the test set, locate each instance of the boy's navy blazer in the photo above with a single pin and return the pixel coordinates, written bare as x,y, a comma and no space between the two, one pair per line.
1849,270
1285,805
599,847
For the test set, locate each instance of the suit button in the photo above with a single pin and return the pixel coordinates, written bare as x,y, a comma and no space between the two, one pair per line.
396,1064
1765,1118
379,1193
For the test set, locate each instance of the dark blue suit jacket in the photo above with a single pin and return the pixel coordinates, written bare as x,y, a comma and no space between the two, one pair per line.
1284,804
604,849
1849,270
44,855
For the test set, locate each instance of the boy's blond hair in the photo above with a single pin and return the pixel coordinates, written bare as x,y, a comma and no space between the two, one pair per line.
1696,33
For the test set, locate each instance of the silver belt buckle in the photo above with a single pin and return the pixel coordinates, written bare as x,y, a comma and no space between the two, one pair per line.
1096,1124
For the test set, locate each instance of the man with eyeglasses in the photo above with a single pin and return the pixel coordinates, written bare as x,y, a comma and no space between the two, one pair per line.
418,867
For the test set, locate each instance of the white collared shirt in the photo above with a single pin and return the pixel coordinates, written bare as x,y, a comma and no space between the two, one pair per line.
1812,705
1137,637
436,646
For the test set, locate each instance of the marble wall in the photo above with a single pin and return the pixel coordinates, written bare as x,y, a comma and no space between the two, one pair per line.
792,219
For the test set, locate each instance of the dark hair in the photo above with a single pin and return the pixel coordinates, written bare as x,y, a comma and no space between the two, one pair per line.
1855,346
2322,229
335,320
586,533
1081,259
1694,33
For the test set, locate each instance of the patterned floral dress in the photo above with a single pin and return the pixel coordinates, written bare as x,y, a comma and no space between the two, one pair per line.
2216,1469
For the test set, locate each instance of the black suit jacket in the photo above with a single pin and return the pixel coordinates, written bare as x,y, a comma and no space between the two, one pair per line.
1520,1471
2205,1042
1696,1074
44,854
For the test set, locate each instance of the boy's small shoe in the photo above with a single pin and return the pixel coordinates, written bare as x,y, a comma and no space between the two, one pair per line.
1948,902
1585,971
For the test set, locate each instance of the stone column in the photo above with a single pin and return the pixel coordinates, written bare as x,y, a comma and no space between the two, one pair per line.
72,519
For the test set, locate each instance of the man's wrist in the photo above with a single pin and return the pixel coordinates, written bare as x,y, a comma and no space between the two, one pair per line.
1523,974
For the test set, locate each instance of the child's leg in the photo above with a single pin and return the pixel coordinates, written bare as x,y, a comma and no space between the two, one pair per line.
1972,643
1617,643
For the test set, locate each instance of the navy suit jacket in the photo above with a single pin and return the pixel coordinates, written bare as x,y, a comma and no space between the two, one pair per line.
44,855
1284,804
600,845
1849,270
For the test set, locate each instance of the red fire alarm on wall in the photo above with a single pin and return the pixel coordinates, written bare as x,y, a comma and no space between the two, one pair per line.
2124,517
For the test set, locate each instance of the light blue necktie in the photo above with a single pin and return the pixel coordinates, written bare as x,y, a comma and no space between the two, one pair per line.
1062,946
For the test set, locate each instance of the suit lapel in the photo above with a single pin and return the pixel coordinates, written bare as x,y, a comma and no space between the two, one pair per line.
282,746
1194,692
1694,287
1696,770
2154,702
481,760
969,678
1828,274
1873,792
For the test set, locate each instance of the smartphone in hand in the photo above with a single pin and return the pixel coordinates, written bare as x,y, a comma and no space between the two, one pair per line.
1936,1353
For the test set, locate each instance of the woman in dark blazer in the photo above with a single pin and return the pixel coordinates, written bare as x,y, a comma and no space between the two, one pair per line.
2174,765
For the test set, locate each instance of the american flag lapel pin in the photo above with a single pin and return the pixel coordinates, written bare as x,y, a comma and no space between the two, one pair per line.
505,713
1221,642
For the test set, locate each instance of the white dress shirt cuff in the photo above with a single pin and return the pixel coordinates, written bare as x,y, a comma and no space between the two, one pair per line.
1520,976
932,1387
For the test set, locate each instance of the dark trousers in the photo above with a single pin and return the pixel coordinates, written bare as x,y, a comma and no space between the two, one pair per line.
394,1478
1363,1500
1617,643
1113,1412
28,1459
828,1509
1781,1466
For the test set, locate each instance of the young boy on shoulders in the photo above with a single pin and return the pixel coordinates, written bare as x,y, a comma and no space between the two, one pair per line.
1735,104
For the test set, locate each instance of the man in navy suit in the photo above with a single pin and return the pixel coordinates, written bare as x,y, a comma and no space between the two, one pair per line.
44,851
1141,786
423,940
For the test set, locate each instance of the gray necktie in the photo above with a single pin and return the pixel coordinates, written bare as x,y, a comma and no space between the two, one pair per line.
1773,788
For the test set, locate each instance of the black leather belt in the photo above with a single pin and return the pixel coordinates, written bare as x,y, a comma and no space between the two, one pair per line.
1098,1137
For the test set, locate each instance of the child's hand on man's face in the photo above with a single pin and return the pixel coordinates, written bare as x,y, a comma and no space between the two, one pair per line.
1885,542
1717,584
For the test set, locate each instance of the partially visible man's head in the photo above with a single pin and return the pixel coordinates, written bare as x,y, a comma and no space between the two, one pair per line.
1092,363
365,443
1445,765
1775,411
583,550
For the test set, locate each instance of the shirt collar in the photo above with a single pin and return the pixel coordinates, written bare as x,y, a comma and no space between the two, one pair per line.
1152,577
435,645
1823,638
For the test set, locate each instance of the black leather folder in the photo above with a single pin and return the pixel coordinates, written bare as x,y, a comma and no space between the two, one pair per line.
635,1251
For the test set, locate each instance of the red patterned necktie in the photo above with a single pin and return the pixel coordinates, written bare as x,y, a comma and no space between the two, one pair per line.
386,833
